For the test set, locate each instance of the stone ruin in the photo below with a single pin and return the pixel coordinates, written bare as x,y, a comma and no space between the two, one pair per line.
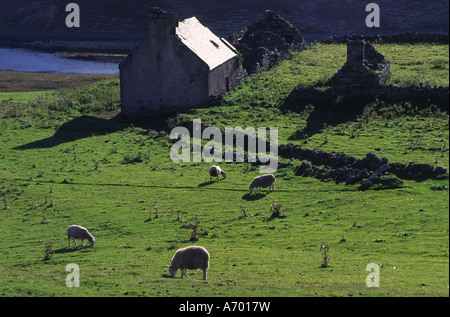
363,72
266,42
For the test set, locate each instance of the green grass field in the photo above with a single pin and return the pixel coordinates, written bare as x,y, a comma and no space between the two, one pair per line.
64,161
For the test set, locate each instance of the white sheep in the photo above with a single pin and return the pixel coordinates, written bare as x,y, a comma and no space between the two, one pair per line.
215,171
79,232
266,180
192,258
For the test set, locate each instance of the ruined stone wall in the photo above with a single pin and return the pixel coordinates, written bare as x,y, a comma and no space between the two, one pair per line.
362,73
420,97
376,62
408,38
368,171
266,42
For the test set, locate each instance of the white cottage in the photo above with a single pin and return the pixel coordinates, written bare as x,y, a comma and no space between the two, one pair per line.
178,66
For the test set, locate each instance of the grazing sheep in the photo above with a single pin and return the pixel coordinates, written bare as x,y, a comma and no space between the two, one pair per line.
216,171
266,180
79,232
192,258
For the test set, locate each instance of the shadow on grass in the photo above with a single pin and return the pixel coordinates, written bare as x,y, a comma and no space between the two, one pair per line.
165,275
87,126
78,128
71,249
331,111
206,184
252,197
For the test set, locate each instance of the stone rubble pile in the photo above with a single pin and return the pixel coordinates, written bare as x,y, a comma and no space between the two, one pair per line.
343,168
266,42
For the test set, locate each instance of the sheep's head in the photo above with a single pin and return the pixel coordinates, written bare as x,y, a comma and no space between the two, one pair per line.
250,189
173,271
91,240
224,174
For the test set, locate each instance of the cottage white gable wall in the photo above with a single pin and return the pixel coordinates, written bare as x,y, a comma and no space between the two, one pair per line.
179,66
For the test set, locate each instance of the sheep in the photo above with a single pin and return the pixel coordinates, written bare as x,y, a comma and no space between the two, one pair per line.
216,171
266,180
79,232
192,258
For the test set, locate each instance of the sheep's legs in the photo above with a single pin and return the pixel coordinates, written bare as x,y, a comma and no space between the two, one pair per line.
204,274
73,241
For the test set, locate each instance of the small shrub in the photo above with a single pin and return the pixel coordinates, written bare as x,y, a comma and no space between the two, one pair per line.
197,231
249,168
156,208
276,210
325,253
245,214
133,158
48,251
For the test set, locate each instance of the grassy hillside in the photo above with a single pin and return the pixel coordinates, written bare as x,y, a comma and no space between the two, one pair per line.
18,82
64,162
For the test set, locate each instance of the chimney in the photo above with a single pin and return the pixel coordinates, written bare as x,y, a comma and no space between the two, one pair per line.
355,52
161,23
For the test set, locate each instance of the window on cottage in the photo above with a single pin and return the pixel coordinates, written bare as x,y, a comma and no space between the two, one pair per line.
227,84
214,43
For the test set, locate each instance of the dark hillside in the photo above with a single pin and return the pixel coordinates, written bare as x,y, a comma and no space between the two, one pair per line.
114,20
